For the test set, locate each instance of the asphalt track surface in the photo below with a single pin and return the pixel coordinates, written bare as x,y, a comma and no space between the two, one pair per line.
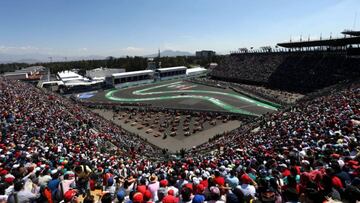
185,95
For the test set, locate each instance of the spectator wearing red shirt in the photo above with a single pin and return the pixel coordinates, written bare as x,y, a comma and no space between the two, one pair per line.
219,179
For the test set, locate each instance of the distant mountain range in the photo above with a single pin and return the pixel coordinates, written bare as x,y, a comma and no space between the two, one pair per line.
171,53
37,58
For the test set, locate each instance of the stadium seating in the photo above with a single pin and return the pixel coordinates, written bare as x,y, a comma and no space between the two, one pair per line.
294,72
53,150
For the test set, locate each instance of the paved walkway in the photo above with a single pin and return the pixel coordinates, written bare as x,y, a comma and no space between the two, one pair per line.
171,143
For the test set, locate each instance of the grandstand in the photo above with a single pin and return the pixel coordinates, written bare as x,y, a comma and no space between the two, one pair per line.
132,78
172,73
127,79
70,82
340,43
194,72
298,71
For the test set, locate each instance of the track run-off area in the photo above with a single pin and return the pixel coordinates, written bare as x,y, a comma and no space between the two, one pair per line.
154,94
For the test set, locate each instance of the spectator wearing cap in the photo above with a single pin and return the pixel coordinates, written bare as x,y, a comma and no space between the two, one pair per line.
71,196
9,179
199,189
9,188
111,186
120,195
148,197
198,199
246,188
195,181
170,198
163,189
138,197
190,186
154,186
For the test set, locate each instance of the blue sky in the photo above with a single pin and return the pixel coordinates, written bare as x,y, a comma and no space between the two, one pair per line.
137,27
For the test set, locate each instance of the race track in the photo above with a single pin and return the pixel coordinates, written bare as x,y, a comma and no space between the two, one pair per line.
182,93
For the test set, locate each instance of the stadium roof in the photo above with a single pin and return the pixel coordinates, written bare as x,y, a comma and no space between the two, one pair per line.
317,43
351,32
103,72
80,82
52,82
98,78
15,73
195,70
172,68
69,75
132,73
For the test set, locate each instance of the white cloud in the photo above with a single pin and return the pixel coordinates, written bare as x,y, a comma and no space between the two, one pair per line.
22,49
6,49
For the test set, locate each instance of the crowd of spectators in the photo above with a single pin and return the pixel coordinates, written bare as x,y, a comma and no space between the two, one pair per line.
258,91
293,72
255,68
317,138
42,131
278,96
49,152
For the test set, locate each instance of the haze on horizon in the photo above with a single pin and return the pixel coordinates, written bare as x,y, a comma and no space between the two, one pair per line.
140,27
